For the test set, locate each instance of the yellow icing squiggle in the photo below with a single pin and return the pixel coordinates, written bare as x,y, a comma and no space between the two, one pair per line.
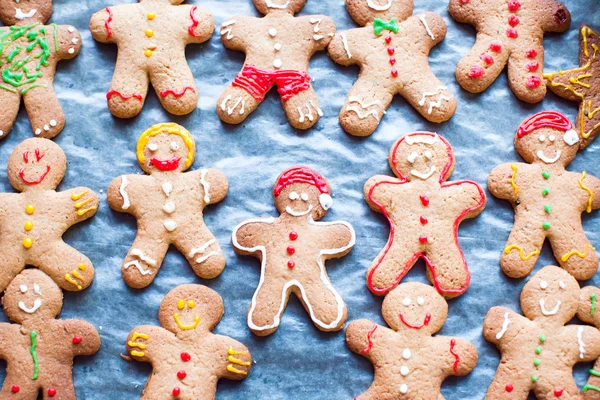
587,189
72,281
231,368
522,256
512,178
578,253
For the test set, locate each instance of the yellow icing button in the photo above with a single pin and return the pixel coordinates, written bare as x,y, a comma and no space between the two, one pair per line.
28,225
148,53
27,243
151,16
29,209
149,32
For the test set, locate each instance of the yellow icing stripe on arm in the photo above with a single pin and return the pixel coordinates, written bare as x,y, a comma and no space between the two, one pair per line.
137,335
76,197
136,353
520,249
578,253
232,351
234,360
587,189
512,178
72,281
231,368
138,345
82,203
85,211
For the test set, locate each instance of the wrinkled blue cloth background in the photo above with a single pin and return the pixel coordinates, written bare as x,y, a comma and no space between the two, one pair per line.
297,362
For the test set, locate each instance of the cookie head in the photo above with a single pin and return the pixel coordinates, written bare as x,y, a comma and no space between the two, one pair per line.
422,156
267,6
36,164
548,138
25,12
189,309
302,192
32,295
414,306
166,147
550,293
365,11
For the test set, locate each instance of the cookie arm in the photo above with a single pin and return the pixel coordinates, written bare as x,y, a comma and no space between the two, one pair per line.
503,181
366,338
338,239
591,184
247,238
231,32
498,323
69,42
119,194
323,31
201,24
237,360
213,183
589,343
83,204
469,12
102,26
377,191
462,356
142,341
7,334
84,338
345,47
557,18
472,195
432,26
588,310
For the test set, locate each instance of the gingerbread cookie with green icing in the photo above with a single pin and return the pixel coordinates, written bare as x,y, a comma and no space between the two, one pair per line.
583,85
29,53
410,363
547,199
151,37
187,359
589,312
392,50
34,220
168,204
509,32
38,348
538,350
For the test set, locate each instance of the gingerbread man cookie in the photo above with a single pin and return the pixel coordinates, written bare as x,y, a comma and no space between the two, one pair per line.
409,362
583,85
293,249
508,32
547,199
424,212
538,350
151,37
588,312
278,48
34,220
392,51
187,359
39,349
29,52
168,205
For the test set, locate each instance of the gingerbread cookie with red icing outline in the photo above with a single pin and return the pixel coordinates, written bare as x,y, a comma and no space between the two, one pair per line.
392,50
293,249
547,199
278,48
424,211
34,220
38,348
409,362
187,358
508,32
538,350
151,37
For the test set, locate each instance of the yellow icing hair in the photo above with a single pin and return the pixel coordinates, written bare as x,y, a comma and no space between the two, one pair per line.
172,129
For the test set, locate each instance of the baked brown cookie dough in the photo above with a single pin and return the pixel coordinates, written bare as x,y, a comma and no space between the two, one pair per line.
588,312
278,48
168,205
187,359
392,50
39,348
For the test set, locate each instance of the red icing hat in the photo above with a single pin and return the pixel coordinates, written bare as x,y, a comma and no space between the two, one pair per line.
544,119
301,175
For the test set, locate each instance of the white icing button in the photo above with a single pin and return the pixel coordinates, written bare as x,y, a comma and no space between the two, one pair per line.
406,354
167,188
74,40
277,63
53,123
170,225
562,285
71,50
71,29
404,370
404,388
169,207
277,46
543,284
46,127
421,301
273,32
38,131
406,301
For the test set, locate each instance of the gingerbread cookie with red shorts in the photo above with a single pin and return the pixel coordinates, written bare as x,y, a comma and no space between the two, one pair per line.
409,362
39,348
151,37
547,199
424,211
538,350
278,48
392,50
508,32
293,249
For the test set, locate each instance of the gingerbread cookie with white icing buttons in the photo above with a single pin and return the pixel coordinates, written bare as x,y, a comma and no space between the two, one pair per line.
547,199
278,48
168,205
410,363
34,220
538,350
30,52
293,249
392,50
38,348
186,357
151,37
509,32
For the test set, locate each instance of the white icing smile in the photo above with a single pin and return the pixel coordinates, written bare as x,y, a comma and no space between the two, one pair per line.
293,213
551,312
377,7
19,14
270,4
423,175
547,160
36,304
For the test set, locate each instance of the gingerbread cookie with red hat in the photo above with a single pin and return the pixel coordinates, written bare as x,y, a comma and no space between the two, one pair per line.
293,249
547,199
509,32
278,48
424,211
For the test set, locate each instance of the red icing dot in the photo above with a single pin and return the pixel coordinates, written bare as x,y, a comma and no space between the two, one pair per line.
495,47
512,33
424,220
513,5
185,357
531,53
77,339
291,264
532,66
509,388
513,20
464,1
486,58
392,60
423,239
388,39
291,250
394,73
293,235
181,374
391,51
424,200
558,392
51,392
476,71
176,391
533,82
15,389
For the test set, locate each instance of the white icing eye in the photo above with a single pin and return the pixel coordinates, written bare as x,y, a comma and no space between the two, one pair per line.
552,138
294,196
412,157
36,289
428,155
152,147
542,138
406,301
304,196
23,288
571,137
174,146
562,285
543,284
421,301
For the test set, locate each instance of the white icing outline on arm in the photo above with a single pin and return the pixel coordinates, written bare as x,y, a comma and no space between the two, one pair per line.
205,185
140,254
580,342
431,35
226,29
140,268
124,194
504,327
346,46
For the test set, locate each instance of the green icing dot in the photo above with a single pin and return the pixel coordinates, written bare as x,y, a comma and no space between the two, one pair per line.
538,350
547,208
542,338
536,362
546,174
545,191
546,225
534,378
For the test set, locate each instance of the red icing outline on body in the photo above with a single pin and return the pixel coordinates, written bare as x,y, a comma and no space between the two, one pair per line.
195,22
107,23
167,92
257,82
369,337
456,356
112,92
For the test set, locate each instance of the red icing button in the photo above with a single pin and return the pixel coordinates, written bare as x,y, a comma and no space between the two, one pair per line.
495,47
291,250
15,389
185,357
513,20
394,73
476,71
532,66
533,82
423,239
293,235
77,339
513,5
392,60
388,39
181,374
176,391
486,58
291,264
509,388
51,392
424,220
531,53
558,392
424,200
512,33
391,51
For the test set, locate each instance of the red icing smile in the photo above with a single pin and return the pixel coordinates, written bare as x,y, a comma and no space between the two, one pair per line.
168,165
425,322
36,181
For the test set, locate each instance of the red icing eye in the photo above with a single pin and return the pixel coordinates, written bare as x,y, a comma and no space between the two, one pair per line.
509,388
495,47
512,33
77,339
26,157
531,53
533,82
486,58
291,250
185,357
513,20
51,392
533,66
293,235
38,155
513,5
181,374
476,71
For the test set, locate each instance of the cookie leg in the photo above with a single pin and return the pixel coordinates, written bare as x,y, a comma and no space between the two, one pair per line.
365,106
128,89
44,111
9,267
390,266
235,105
325,306
522,250
15,388
202,252
508,385
574,252
143,261
561,387
303,109
591,390
70,269
482,64
60,389
447,268
175,87
8,112
525,74
429,96
268,303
